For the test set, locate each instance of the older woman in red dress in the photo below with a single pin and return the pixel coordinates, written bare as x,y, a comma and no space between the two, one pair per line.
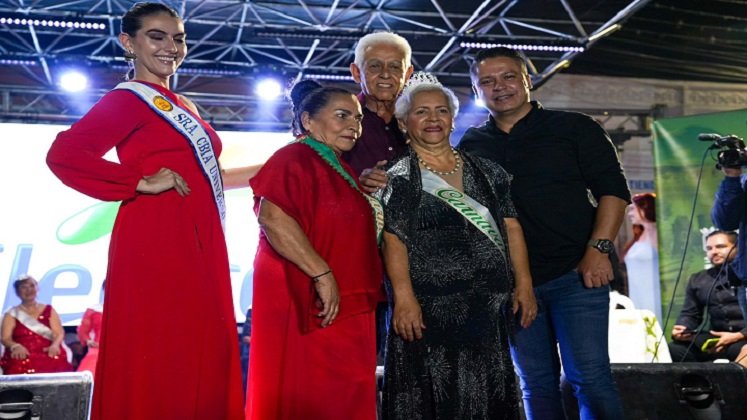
317,273
32,334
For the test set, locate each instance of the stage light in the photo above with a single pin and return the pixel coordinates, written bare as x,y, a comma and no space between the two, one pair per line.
208,72
268,89
524,47
73,81
479,102
8,20
191,71
338,77
16,62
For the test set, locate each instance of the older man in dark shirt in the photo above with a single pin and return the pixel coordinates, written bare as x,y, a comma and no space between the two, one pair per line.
714,291
381,67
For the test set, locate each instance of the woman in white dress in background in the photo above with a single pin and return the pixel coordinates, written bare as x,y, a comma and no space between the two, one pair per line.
642,259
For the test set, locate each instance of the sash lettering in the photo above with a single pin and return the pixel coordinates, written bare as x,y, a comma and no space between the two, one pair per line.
192,131
467,206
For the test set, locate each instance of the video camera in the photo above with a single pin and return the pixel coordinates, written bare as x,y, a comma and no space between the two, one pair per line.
732,152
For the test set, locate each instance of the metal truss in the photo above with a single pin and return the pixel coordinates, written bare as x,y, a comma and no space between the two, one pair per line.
623,125
233,43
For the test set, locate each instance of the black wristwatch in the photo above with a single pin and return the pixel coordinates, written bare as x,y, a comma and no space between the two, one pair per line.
605,246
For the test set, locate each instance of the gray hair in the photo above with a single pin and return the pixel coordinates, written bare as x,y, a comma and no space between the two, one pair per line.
377,38
404,102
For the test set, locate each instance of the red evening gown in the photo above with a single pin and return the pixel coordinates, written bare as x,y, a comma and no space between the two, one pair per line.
169,341
38,360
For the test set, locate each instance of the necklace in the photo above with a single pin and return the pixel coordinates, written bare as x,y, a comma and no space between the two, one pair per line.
457,164
29,307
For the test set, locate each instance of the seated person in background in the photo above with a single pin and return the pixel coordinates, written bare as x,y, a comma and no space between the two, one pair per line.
713,289
245,339
32,334
78,351
89,334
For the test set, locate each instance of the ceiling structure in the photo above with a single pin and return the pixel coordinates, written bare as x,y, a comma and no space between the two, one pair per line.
696,40
233,44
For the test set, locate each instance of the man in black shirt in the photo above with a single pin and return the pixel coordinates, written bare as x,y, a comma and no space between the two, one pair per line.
570,193
714,291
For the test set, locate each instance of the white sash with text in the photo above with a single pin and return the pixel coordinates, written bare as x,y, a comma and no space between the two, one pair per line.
191,128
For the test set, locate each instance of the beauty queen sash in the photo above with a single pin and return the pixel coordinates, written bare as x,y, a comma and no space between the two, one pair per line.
192,130
329,156
474,212
31,323
37,327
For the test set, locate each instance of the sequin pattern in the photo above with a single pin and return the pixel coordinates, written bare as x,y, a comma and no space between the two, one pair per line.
461,369
38,360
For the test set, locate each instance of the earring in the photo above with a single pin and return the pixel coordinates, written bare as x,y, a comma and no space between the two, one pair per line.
130,56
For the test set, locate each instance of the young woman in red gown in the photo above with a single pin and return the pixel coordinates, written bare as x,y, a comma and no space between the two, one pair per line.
317,273
168,345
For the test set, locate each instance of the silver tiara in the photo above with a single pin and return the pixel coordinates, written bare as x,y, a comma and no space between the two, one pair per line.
422,77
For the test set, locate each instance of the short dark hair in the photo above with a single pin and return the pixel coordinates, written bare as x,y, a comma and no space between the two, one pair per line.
310,96
728,233
494,52
132,20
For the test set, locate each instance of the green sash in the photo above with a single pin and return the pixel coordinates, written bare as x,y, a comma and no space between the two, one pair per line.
329,156
473,211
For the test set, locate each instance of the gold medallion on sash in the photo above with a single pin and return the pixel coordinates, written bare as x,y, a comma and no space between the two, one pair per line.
161,103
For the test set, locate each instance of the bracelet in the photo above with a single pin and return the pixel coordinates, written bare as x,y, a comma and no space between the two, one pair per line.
317,278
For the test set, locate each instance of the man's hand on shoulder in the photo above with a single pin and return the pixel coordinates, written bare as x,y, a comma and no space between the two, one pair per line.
374,179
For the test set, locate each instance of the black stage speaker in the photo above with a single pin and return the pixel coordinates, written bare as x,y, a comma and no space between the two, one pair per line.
681,391
46,396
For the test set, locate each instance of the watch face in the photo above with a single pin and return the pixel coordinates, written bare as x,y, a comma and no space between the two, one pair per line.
605,246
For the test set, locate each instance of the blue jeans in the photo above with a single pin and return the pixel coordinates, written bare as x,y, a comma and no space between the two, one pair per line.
576,320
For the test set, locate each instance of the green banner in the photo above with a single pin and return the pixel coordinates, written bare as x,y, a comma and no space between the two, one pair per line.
677,160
